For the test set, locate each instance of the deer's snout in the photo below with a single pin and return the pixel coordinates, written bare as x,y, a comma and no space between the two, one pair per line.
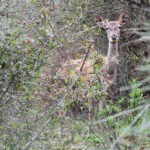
114,37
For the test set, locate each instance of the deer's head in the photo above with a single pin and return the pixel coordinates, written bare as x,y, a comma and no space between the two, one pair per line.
112,27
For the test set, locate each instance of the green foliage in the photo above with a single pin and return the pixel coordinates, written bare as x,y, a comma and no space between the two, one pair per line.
136,95
37,35
95,139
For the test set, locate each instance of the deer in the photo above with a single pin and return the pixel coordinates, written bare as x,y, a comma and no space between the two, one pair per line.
108,75
113,33
112,29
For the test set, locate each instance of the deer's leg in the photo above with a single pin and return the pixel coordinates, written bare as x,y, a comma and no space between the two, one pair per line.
62,114
69,128
64,120
91,115
115,75
102,106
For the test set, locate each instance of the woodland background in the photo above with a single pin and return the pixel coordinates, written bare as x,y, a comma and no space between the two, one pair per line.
38,36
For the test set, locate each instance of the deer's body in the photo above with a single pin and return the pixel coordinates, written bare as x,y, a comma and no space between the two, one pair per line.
109,69
108,77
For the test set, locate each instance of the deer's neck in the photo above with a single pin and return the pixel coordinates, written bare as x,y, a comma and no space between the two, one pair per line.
112,49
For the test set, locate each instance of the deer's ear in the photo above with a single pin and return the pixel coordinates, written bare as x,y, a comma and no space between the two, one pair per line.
100,21
123,18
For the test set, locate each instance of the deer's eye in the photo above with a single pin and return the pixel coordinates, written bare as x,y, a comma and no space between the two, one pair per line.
106,28
120,27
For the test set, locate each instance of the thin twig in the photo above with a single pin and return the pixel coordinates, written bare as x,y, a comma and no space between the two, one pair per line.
10,83
126,112
87,53
36,135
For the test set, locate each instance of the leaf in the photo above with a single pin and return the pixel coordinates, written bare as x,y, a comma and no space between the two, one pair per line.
85,26
52,45
15,125
32,1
